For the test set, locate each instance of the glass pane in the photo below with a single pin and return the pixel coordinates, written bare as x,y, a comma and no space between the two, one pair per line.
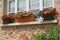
34,4
11,5
21,5
47,3
36,12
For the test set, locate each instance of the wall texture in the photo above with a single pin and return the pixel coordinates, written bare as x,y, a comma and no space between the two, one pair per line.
20,32
57,6
1,13
15,32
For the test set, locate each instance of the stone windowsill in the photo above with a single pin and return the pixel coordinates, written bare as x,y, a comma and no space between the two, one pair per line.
30,23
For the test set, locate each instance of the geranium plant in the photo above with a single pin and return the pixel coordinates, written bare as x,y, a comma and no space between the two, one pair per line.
25,16
7,19
11,17
48,13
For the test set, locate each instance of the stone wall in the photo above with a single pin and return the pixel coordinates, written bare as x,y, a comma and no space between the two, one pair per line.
20,32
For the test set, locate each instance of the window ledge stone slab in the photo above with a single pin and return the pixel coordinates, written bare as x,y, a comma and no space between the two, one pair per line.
30,23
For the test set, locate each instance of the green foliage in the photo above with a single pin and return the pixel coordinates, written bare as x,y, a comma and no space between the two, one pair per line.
26,38
52,34
18,15
39,36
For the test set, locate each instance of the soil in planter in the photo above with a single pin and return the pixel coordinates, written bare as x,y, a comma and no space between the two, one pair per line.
47,18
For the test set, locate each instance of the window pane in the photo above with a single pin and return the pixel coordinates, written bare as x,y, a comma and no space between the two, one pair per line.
11,5
21,5
36,12
34,4
47,3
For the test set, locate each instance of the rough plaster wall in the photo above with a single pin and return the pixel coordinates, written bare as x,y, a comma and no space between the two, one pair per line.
1,13
57,6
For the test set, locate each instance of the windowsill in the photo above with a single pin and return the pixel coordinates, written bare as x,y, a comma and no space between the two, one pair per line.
30,23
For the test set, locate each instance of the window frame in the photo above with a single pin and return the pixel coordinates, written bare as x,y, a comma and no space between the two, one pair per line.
27,6
49,6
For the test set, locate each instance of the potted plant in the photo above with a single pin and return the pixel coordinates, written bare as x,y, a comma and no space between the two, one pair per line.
7,19
24,16
48,13
11,19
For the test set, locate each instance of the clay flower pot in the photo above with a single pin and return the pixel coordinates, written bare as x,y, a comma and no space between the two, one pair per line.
25,19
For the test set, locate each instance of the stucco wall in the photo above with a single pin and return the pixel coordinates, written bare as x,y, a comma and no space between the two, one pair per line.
1,13
57,6
14,32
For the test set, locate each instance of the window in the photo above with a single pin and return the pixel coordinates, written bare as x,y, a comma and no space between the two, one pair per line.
14,6
11,6
21,5
48,3
34,4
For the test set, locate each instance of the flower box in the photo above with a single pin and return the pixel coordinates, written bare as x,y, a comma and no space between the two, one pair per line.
48,14
25,19
25,16
7,19
47,18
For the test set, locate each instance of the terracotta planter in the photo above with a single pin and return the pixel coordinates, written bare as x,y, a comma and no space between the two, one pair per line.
25,19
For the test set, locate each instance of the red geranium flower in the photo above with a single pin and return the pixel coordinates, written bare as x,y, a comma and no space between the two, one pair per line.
49,12
53,11
11,17
5,17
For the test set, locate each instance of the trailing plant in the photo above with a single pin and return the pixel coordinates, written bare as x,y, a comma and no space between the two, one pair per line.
23,14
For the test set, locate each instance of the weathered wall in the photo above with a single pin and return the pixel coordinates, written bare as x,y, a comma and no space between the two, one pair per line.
57,6
19,32
1,13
